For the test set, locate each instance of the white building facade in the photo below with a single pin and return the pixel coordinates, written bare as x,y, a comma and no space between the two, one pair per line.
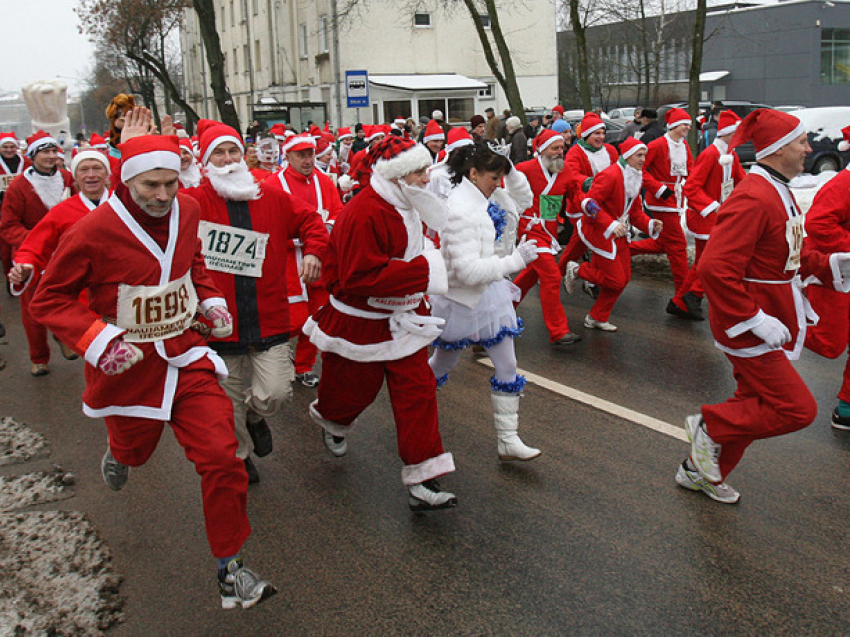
286,60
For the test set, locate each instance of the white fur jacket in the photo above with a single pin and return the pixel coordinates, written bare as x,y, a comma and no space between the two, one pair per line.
473,256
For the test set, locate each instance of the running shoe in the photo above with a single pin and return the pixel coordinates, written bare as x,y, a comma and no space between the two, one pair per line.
242,587
691,479
428,496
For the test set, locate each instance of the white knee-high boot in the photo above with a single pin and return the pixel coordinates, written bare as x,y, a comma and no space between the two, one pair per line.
506,415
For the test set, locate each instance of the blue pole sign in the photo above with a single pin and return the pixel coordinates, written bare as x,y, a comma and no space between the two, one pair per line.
357,89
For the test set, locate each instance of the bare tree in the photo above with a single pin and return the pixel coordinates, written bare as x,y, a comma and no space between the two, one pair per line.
582,68
696,66
215,59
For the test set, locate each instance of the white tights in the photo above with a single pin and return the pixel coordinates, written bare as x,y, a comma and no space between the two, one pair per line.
502,354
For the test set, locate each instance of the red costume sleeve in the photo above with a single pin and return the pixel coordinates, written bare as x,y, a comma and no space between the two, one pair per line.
12,229
695,184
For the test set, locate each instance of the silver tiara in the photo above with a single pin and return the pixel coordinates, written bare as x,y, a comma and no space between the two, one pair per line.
499,148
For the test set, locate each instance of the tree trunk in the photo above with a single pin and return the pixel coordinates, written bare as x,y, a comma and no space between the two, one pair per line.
696,67
156,68
215,59
582,66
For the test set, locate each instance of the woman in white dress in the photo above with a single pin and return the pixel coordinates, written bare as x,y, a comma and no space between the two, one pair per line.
478,246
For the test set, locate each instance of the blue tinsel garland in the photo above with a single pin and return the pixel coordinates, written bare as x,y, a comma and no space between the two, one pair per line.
497,215
513,387
441,380
487,342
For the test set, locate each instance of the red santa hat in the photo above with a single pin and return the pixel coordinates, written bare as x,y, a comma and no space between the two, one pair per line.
844,144
39,141
629,146
394,157
434,132
212,134
544,139
148,152
186,143
727,123
345,133
769,130
88,153
589,123
458,137
373,132
278,130
400,121
299,142
323,147
315,131
6,138
558,109
96,141
676,117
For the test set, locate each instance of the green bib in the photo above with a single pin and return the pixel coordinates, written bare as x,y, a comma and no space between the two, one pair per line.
550,206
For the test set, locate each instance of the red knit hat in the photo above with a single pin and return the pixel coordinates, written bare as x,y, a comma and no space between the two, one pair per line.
546,138
727,123
589,123
458,137
843,145
629,146
433,132
299,142
323,146
395,157
344,133
373,132
212,133
769,130
96,141
676,117
148,152
39,141
186,143
5,138
558,109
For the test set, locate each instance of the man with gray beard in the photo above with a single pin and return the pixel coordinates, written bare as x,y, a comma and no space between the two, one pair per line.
551,185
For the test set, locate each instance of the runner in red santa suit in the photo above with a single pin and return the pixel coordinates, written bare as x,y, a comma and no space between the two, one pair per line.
303,181
28,198
379,268
828,230
668,163
715,173
12,164
345,138
190,170
325,161
749,271
584,160
608,210
245,228
138,258
551,184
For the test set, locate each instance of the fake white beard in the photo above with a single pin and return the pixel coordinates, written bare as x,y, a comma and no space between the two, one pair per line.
48,188
191,177
344,151
431,208
632,179
553,165
234,181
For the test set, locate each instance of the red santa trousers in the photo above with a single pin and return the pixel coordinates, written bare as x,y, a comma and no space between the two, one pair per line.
202,420
35,331
348,387
771,400
692,283
305,351
545,268
671,242
610,275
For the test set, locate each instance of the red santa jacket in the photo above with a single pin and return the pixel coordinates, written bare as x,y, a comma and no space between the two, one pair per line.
258,303
23,208
318,192
661,171
609,191
540,221
7,174
378,279
704,187
750,264
107,253
583,165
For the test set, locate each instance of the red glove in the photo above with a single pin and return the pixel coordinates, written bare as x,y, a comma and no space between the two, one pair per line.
119,357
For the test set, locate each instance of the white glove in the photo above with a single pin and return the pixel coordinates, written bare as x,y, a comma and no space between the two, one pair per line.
527,250
843,259
772,331
222,321
655,226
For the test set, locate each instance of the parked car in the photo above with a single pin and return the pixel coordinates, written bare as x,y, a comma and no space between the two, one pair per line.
824,128
741,108
622,115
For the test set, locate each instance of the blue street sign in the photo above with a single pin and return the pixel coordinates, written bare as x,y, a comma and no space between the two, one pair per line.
357,89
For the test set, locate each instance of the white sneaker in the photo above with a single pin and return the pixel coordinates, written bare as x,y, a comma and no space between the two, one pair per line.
571,277
691,479
337,445
242,587
592,324
705,453
428,496
691,425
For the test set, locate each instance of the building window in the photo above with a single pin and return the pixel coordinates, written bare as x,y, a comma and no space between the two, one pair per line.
487,93
460,110
235,62
323,34
427,107
244,10
232,13
397,108
302,41
245,56
835,56
422,19
256,7
257,57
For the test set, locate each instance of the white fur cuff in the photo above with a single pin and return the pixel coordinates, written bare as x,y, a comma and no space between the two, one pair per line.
714,205
428,470
333,428
403,163
438,278
746,326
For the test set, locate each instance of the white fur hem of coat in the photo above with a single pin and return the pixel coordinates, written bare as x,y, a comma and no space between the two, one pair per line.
391,350
427,470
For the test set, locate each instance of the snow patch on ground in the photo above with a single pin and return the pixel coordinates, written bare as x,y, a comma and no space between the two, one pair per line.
57,576
18,492
19,443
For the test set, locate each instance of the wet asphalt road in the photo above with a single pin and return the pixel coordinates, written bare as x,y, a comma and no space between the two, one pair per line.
594,537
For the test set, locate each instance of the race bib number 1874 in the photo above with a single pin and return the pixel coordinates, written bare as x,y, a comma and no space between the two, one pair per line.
233,250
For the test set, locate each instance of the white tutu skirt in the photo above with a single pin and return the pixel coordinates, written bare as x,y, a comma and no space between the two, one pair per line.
488,323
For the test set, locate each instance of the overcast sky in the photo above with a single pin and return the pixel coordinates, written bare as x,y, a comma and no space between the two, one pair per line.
40,41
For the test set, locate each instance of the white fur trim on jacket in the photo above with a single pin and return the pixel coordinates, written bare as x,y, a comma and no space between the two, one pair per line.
404,163
394,349
212,302
746,326
838,281
438,279
427,470
714,205
333,428
98,346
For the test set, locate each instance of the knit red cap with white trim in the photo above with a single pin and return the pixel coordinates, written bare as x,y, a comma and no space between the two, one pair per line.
305,141
96,141
149,152
589,123
39,141
769,130
676,117
6,138
344,133
458,137
395,157
558,109
433,132
629,146
727,123
546,138
212,134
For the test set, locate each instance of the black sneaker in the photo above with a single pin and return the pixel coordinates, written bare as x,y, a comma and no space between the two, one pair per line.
675,310
694,305
591,290
308,379
2,330
840,422
261,436
242,587
251,468
428,496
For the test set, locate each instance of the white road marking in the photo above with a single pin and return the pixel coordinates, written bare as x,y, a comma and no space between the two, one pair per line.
601,404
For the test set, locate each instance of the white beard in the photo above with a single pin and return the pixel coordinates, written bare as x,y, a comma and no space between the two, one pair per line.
431,208
49,189
344,151
553,165
191,177
632,179
233,182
